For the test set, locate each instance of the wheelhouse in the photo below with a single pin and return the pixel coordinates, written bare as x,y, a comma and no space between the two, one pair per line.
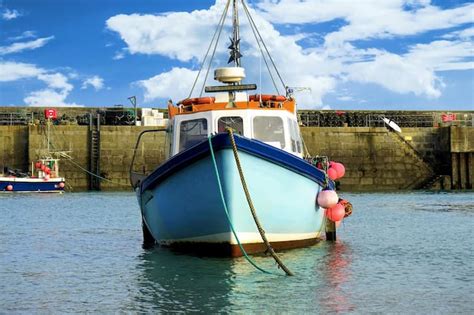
278,128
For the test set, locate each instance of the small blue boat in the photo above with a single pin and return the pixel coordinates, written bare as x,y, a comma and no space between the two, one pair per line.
199,201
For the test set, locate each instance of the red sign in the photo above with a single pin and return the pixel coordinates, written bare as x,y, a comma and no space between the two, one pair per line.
50,113
448,117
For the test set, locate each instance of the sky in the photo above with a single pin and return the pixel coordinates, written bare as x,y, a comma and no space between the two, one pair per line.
336,54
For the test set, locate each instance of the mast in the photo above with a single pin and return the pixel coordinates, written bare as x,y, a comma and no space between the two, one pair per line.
234,47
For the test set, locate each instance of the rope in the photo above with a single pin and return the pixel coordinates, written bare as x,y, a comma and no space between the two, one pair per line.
90,173
216,170
252,208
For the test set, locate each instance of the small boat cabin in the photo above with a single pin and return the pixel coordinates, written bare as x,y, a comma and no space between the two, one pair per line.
267,118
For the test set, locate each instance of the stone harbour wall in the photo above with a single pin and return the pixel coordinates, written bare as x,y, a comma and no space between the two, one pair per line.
376,159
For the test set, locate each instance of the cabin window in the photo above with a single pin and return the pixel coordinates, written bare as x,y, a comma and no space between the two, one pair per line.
235,122
270,130
296,145
192,132
292,135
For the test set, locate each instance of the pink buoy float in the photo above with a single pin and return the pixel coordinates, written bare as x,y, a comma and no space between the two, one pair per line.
9,187
327,198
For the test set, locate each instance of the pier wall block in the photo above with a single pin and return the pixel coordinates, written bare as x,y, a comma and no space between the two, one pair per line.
14,147
377,159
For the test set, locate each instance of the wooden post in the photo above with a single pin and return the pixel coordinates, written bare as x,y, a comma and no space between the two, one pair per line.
455,171
470,170
463,171
330,230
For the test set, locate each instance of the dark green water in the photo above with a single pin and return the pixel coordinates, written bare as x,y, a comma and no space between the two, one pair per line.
398,253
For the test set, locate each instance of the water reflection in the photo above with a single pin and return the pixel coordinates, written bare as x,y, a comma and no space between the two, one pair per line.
173,282
337,274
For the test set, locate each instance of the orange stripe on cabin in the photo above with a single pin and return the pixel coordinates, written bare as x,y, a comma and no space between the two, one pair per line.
287,104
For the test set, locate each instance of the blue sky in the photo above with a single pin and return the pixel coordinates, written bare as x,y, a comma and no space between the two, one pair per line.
368,54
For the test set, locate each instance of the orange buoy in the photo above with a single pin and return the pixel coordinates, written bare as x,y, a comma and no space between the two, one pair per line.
9,187
61,185
267,97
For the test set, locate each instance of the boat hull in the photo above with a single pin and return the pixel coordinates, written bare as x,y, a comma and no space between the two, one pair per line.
19,184
185,210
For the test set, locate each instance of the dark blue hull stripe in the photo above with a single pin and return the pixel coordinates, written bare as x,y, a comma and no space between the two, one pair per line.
221,141
30,186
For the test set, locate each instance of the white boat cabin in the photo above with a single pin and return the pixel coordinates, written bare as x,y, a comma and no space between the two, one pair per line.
278,128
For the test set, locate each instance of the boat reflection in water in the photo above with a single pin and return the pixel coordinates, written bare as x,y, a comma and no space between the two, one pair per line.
336,297
168,281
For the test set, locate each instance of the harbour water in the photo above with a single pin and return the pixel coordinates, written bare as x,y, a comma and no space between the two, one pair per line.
81,252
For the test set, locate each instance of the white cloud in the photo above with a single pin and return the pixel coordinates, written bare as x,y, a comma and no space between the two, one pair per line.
48,97
345,98
56,92
96,82
397,74
443,55
369,18
10,14
464,34
177,35
119,55
12,71
174,84
24,35
18,47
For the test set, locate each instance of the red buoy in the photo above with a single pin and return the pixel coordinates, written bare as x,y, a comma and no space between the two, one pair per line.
61,185
336,213
9,187
340,169
38,165
47,170
332,173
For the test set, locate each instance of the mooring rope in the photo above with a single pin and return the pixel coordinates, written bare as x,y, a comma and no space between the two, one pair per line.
252,208
216,170
68,158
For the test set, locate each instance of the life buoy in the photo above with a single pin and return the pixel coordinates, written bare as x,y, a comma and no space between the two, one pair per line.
267,97
197,101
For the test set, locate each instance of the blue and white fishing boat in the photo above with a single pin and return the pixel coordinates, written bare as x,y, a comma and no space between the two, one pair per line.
196,199
44,175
